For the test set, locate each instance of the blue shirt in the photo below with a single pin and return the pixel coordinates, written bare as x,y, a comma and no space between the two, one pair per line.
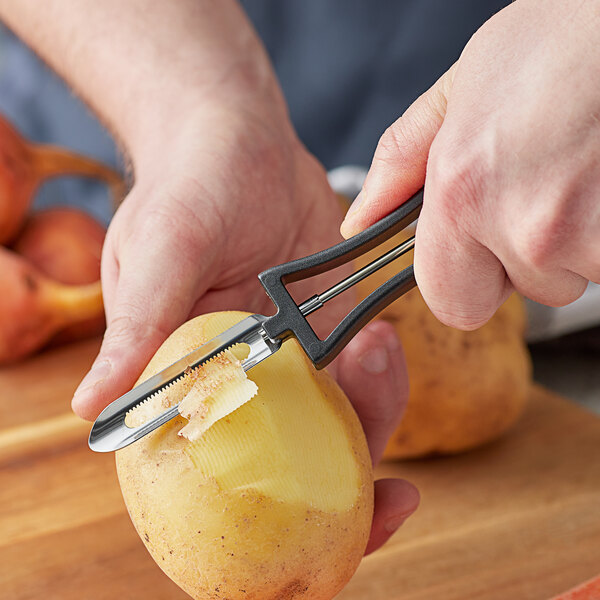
348,69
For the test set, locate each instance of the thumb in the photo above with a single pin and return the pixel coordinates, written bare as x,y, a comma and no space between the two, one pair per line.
153,295
372,372
400,160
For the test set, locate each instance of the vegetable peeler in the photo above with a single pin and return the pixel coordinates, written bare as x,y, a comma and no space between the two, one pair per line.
264,335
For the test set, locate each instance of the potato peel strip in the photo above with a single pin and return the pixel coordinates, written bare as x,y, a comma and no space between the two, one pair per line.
205,395
220,387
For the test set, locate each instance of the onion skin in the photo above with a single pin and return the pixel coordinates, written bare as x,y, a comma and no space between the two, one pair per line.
65,244
33,308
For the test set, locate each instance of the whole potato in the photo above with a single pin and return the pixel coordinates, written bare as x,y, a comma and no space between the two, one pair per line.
466,387
273,502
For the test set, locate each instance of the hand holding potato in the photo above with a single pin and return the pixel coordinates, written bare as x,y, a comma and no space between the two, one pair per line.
223,189
193,238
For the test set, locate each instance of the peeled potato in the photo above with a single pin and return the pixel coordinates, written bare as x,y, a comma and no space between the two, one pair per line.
273,502
466,387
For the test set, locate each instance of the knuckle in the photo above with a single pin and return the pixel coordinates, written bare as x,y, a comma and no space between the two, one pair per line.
186,205
436,102
130,328
395,142
534,249
178,216
455,176
122,330
177,226
541,238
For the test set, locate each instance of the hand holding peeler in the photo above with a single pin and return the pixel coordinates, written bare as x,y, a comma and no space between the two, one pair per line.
264,335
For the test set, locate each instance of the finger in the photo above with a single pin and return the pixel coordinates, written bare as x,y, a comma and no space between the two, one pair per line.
545,257
552,287
400,160
372,372
109,268
462,281
156,289
472,252
247,296
395,501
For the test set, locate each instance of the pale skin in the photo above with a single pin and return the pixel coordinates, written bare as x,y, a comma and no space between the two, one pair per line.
505,143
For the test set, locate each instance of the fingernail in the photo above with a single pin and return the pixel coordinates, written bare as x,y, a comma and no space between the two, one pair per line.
391,341
348,229
99,371
375,360
391,525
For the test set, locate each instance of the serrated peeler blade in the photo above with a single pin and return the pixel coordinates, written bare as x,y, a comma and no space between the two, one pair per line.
110,432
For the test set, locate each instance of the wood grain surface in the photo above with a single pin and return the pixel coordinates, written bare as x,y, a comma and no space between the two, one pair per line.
516,520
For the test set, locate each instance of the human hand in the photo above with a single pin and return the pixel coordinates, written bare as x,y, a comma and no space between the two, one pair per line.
226,198
507,144
223,189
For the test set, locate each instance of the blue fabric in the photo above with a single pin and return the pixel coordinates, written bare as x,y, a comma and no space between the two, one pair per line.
348,69
43,109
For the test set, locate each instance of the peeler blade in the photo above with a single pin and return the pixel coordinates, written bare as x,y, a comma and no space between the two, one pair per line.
110,432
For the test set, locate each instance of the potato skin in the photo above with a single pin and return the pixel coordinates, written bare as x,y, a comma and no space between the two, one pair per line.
222,544
466,387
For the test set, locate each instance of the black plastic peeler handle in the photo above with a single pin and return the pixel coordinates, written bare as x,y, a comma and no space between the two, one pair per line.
290,319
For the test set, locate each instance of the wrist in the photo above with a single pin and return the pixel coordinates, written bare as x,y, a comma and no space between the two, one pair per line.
247,90
224,70
244,131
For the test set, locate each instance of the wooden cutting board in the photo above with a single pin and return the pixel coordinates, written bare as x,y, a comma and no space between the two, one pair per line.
516,520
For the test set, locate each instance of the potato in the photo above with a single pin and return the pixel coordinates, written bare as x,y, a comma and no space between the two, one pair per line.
466,388
274,501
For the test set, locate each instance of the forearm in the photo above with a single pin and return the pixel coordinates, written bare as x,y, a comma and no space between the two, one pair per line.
144,65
